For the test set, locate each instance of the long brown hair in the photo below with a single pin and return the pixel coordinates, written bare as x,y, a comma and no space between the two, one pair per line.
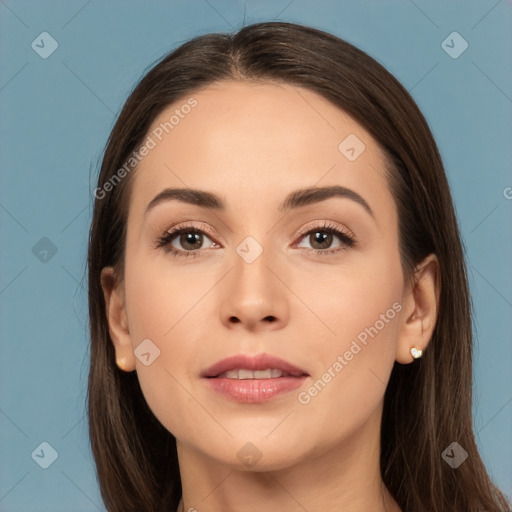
427,405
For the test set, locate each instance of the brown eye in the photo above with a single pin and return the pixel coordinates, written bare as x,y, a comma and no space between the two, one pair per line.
191,240
320,239
184,241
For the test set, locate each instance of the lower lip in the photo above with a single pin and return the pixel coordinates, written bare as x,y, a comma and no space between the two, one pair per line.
252,391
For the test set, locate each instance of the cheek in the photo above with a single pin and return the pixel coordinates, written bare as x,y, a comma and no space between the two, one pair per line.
352,296
160,299
167,306
354,360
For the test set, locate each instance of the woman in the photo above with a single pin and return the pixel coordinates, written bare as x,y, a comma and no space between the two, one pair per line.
279,308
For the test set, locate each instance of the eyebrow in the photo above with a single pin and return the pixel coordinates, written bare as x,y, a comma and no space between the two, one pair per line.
295,199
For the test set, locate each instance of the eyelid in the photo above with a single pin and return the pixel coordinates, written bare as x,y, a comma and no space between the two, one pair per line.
193,226
325,224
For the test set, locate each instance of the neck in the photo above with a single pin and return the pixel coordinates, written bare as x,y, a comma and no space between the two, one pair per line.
346,475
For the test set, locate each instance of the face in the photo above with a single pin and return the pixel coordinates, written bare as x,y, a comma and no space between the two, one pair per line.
311,279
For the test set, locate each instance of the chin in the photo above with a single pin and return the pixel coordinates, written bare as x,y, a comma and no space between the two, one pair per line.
255,454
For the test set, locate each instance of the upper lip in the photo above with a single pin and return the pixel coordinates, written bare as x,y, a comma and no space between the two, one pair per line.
252,362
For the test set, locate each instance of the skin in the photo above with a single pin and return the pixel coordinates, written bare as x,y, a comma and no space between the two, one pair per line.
252,144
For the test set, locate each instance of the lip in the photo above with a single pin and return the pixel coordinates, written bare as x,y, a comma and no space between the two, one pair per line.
254,363
253,390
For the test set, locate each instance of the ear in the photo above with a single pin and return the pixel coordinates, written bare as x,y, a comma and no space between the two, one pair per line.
421,305
117,319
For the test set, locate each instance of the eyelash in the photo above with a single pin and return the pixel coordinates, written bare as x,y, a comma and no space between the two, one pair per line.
348,240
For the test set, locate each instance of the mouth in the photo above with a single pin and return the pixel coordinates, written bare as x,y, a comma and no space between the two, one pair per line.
253,379
244,374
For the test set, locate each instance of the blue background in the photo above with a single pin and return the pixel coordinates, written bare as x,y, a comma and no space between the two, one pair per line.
56,115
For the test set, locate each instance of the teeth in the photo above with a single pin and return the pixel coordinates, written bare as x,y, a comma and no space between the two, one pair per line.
263,374
243,374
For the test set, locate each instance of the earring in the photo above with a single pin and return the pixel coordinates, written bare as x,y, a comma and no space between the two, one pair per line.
416,352
121,363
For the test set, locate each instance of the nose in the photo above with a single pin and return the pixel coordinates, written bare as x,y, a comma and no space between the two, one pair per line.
254,299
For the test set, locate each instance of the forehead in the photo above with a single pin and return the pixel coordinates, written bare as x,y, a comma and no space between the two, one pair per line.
258,140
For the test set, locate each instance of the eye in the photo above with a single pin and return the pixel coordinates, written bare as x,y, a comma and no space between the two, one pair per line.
188,240
322,237
184,241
